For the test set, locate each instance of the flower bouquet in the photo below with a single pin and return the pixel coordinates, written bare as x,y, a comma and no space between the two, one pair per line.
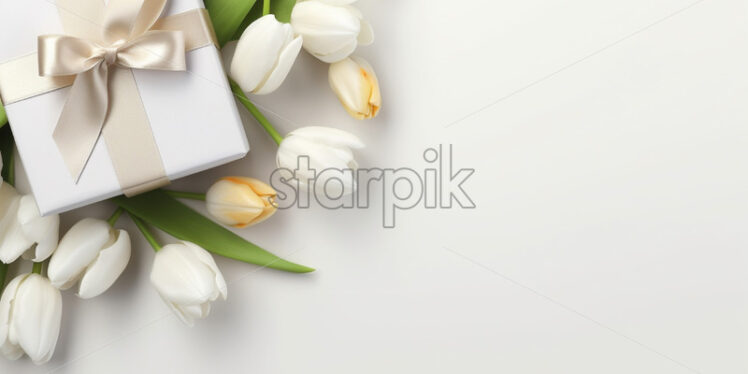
98,76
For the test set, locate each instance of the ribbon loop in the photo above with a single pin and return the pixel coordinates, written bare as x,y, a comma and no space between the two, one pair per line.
61,55
154,50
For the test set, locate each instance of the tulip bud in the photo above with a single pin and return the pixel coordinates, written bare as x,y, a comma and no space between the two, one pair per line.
354,82
30,317
264,55
326,148
23,231
331,29
92,252
240,201
188,279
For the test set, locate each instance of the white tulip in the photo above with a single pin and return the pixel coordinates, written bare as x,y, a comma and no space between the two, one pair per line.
326,148
354,82
331,29
30,316
92,252
240,201
188,279
264,55
23,231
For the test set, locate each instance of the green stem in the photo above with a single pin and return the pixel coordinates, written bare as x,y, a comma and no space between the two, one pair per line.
115,216
3,274
146,233
186,195
37,269
255,112
265,7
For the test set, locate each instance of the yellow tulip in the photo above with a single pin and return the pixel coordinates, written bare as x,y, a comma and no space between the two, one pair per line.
240,201
354,82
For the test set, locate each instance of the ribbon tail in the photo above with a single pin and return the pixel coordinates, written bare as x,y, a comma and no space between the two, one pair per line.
82,119
129,137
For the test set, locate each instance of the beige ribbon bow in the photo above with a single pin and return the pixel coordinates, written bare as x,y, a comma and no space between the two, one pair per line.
126,41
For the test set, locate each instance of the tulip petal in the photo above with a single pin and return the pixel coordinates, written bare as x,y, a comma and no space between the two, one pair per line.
328,164
37,314
187,320
259,187
234,216
9,348
266,213
329,31
107,267
329,136
208,260
298,146
375,96
366,36
195,311
340,54
355,84
7,196
330,155
9,200
180,256
78,248
232,201
320,157
287,160
181,277
282,68
13,243
353,10
257,52
44,231
349,82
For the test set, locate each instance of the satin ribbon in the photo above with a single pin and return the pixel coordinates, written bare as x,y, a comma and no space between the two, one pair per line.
101,46
125,41
20,79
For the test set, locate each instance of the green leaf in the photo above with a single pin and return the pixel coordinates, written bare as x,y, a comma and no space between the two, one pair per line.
226,16
282,9
163,211
3,116
253,15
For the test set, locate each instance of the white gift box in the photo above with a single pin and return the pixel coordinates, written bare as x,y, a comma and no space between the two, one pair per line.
193,114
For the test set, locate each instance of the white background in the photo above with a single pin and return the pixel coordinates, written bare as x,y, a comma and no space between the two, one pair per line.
610,142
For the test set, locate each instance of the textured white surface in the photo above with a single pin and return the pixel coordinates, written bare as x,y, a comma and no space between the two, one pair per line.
169,100
609,234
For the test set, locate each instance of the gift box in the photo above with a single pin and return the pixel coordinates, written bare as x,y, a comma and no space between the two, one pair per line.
191,115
